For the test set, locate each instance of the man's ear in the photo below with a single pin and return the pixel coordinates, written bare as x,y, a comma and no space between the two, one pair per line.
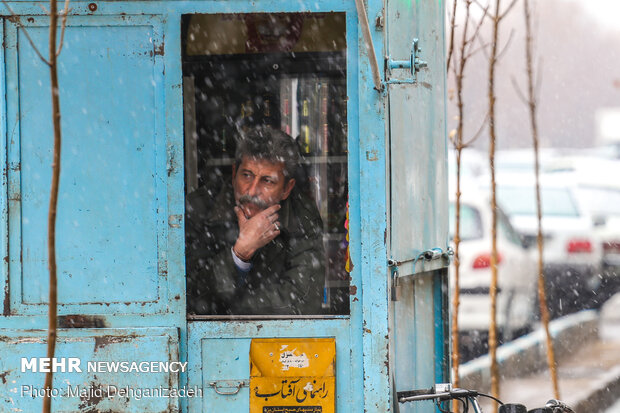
288,187
234,171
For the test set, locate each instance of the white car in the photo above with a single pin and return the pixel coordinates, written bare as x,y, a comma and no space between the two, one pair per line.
516,300
522,160
572,250
474,164
598,193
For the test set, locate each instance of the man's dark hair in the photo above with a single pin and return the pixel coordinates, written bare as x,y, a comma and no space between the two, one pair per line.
269,144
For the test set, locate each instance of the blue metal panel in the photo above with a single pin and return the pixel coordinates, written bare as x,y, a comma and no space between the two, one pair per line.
354,358
418,188
418,212
31,8
419,346
120,231
4,205
93,388
373,216
111,240
228,359
442,326
174,254
220,351
425,335
403,346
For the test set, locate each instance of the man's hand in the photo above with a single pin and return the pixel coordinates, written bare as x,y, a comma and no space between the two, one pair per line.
256,232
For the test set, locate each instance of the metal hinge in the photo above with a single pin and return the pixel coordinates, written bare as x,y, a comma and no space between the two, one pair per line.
414,64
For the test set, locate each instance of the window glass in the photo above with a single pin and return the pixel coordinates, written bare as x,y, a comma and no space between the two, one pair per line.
266,125
470,222
522,201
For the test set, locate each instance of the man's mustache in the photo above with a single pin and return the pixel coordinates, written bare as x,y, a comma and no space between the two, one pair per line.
247,199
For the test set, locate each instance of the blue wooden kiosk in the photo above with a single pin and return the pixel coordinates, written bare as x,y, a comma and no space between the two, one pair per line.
152,94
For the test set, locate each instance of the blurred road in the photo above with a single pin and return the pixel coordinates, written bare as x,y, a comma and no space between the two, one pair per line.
589,379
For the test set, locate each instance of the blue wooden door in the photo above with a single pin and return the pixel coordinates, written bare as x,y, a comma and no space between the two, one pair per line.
119,226
418,239
219,344
418,168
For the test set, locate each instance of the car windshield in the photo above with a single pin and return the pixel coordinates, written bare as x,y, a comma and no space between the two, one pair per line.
521,200
470,222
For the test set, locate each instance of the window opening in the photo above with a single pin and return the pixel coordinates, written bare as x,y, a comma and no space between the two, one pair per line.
256,88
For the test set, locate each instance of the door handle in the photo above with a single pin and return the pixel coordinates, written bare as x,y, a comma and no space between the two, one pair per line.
228,385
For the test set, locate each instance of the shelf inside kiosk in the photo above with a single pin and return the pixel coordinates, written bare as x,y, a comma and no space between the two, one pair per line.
245,75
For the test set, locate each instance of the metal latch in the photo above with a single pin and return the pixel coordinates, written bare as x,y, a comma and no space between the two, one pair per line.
428,255
414,64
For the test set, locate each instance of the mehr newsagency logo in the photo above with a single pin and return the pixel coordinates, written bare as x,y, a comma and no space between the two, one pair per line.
85,392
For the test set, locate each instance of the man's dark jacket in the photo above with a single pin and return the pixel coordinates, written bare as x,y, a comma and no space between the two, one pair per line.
287,275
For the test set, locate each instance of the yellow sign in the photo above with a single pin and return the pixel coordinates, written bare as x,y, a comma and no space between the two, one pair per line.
293,375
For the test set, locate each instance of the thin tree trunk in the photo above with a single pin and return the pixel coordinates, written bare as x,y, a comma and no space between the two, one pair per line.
544,311
51,222
493,342
456,298
459,144
459,75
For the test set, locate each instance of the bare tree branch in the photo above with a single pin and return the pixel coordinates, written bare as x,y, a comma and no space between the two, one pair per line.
501,53
538,80
451,41
53,201
63,25
510,6
457,141
454,71
482,6
493,342
17,20
517,89
456,137
479,25
478,133
532,104
482,47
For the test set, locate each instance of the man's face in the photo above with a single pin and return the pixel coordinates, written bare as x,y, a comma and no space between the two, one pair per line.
259,184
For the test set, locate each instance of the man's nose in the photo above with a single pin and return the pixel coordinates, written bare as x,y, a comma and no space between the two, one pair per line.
253,189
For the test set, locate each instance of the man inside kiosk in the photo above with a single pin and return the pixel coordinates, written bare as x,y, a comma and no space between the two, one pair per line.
256,247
